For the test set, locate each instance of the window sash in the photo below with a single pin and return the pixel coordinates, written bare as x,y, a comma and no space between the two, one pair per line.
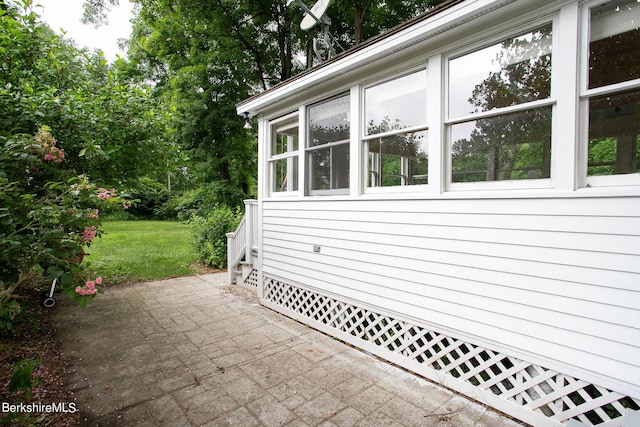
289,184
453,119
598,168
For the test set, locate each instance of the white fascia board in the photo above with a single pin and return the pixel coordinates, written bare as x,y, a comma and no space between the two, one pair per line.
420,31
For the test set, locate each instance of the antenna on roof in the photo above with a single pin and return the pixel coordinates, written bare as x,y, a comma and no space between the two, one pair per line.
317,16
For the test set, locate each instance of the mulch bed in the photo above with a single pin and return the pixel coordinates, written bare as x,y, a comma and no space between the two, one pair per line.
33,338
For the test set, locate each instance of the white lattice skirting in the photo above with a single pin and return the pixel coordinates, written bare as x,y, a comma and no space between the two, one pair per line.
252,280
529,392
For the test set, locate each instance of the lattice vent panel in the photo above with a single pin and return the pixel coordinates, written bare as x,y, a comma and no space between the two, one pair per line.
518,382
252,279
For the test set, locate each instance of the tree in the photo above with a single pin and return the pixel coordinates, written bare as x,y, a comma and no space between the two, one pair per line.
70,130
204,60
110,130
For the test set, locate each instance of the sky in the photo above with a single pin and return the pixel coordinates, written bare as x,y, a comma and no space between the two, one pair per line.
66,14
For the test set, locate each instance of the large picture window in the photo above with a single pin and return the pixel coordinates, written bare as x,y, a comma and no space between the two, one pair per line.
328,146
500,110
613,89
283,163
395,141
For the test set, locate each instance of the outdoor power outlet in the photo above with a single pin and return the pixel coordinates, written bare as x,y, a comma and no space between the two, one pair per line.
316,248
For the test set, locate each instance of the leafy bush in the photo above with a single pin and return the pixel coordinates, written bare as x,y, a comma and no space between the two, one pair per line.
205,199
47,218
209,234
9,310
22,375
150,195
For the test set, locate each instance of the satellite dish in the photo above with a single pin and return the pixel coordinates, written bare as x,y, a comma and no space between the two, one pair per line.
315,15
323,44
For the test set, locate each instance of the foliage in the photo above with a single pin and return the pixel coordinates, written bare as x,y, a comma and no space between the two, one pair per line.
47,217
22,375
204,60
110,130
209,234
150,195
9,311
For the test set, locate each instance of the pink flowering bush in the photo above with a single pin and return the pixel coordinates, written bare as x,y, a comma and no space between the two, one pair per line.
89,287
48,217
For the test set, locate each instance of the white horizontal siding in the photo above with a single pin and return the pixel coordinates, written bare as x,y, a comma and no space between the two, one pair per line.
558,278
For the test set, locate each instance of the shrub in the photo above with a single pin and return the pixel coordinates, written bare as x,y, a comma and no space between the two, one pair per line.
205,199
209,234
46,218
150,196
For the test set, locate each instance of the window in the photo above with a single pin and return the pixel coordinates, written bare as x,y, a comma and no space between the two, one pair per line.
612,92
283,163
500,110
395,141
328,146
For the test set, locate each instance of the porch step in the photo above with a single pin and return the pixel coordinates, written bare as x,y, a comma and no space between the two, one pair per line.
241,274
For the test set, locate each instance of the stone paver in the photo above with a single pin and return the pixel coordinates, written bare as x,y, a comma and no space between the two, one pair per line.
194,351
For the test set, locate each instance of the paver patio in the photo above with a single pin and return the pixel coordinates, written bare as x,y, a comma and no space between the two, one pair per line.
194,351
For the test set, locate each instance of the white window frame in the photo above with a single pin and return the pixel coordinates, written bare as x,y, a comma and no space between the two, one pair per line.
364,176
552,101
284,122
585,94
308,151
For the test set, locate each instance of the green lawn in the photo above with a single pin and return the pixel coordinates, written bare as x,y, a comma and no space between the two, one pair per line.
132,251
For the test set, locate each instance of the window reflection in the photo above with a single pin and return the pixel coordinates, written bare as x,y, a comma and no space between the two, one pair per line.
614,118
329,121
285,140
398,160
513,72
396,104
328,148
508,147
614,53
614,134
284,146
286,174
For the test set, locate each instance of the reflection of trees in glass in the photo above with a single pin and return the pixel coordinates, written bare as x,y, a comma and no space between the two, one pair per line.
614,130
396,159
325,134
508,147
401,144
329,165
515,145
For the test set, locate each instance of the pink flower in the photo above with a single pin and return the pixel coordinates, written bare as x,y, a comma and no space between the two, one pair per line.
99,280
89,234
78,290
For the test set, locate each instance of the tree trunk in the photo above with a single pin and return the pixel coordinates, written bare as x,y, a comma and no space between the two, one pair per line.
359,23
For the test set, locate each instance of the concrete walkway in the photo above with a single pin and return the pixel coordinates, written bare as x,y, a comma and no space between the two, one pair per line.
194,351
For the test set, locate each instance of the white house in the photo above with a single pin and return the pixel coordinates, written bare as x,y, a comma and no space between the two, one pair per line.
461,196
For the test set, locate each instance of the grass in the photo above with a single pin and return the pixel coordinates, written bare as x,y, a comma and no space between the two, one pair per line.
135,251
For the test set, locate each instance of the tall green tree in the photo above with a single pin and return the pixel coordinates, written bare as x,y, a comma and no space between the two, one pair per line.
111,130
205,57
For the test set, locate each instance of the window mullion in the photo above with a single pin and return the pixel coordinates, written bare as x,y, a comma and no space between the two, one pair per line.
356,166
436,149
564,86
